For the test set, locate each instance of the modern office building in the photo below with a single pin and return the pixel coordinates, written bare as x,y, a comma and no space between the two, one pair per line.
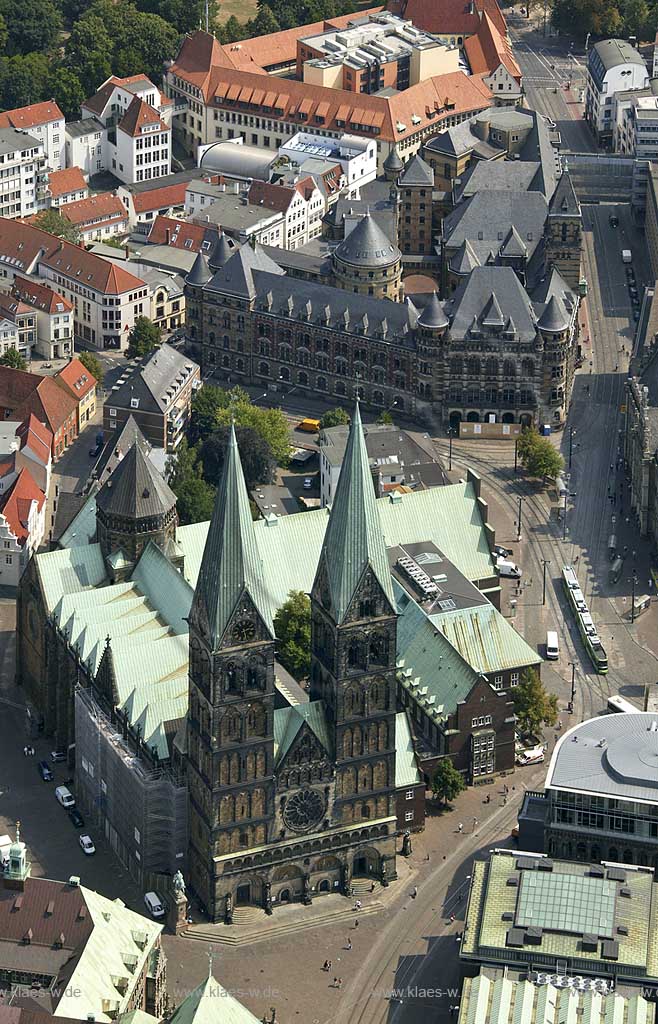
613,66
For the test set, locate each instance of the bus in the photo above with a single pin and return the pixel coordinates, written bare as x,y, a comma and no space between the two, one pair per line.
584,620
617,704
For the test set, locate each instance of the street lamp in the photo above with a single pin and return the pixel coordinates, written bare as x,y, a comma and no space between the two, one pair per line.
519,520
516,454
573,685
567,494
572,431
544,562
451,433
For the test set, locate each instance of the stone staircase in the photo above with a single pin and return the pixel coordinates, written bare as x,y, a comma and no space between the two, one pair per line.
364,887
251,924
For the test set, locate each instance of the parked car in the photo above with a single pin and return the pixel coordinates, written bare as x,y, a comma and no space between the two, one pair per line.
502,552
535,755
154,904
87,844
65,797
58,755
44,771
509,569
613,221
93,452
76,817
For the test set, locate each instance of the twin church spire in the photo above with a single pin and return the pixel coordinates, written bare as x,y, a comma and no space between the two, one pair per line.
231,568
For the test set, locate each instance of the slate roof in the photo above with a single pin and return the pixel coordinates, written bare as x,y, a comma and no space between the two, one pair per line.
417,172
231,568
514,246
353,543
209,1003
200,272
565,201
221,252
367,246
393,161
486,217
498,175
236,276
433,314
289,721
135,489
555,316
614,755
12,141
151,379
464,259
474,296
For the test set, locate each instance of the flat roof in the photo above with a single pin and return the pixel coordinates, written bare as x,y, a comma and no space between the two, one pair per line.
614,755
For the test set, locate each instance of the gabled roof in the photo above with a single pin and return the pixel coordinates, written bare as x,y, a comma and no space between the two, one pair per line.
102,96
488,49
17,502
41,296
36,437
289,721
69,179
102,207
76,379
138,116
180,234
354,542
209,1003
492,315
135,489
153,383
272,197
417,172
475,295
565,201
236,275
25,118
231,568
513,246
159,198
452,17
49,403
464,259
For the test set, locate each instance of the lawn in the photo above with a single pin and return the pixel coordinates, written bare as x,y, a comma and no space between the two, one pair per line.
242,9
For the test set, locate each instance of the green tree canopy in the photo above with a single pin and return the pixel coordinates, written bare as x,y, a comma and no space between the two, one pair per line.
88,52
447,782
292,625
538,455
66,89
144,338
255,454
23,79
13,358
578,17
231,31
270,424
533,705
206,403
385,418
264,23
334,418
53,222
194,497
92,363
33,25
184,15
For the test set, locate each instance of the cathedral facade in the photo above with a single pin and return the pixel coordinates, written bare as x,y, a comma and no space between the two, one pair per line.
301,800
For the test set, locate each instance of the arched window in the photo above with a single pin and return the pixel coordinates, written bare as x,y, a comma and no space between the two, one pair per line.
492,367
240,365
377,398
509,369
302,379
321,383
264,369
473,367
340,388
232,678
285,373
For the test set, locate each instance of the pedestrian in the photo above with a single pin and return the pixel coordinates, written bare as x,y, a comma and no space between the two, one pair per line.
329,965
488,798
32,751
340,983
356,923
650,584
349,944
414,893
325,965
335,982
576,559
452,919
460,827
427,856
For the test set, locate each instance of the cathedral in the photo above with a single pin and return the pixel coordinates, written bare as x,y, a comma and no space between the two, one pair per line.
305,793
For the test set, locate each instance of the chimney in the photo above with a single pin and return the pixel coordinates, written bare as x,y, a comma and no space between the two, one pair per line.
167,236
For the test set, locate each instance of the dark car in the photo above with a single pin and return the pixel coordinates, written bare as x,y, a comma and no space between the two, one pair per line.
636,315
44,771
93,452
502,552
613,221
76,817
630,273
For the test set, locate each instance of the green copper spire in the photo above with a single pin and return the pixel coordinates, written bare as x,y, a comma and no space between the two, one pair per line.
231,567
354,540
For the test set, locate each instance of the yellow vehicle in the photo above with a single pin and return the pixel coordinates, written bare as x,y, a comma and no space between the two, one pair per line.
309,426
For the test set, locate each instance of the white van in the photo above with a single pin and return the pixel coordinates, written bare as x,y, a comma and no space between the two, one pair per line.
510,569
65,796
626,256
153,904
535,755
552,646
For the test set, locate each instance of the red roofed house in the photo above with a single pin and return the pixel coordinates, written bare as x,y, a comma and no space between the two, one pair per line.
67,186
489,54
107,297
22,526
54,316
43,121
78,382
145,204
35,451
99,217
23,393
132,136
182,234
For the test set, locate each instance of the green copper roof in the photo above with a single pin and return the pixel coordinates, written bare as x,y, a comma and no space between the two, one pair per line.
209,1003
406,766
288,722
231,566
354,540
485,639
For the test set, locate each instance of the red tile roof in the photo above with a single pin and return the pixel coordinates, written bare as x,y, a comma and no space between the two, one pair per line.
24,393
272,197
61,183
41,296
16,505
138,115
179,234
104,206
29,117
11,306
16,386
453,17
69,916
36,436
488,49
160,198
76,379
99,100
24,243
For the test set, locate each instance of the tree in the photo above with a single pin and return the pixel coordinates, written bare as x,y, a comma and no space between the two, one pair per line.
33,25
66,89
4,34
23,79
334,418
292,625
144,338
206,403
93,364
255,454
232,31
447,782
264,23
538,455
185,15
385,418
636,18
194,497
578,17
13,358
270,424
55,224
533,705
89,51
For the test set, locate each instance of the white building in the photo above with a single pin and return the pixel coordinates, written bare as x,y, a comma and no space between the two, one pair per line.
22,525
356,156
637,134
44,122
8,334
125,128
23,178
98,217
54,316
613,66
66,186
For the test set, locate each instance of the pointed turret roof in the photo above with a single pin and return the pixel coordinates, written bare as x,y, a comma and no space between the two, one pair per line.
393,161
464,259
367,246
433,314
200,272
513,246
231,567
221,252
555,317
492,314
209,1003
417,172
354,541
135,490
564,202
